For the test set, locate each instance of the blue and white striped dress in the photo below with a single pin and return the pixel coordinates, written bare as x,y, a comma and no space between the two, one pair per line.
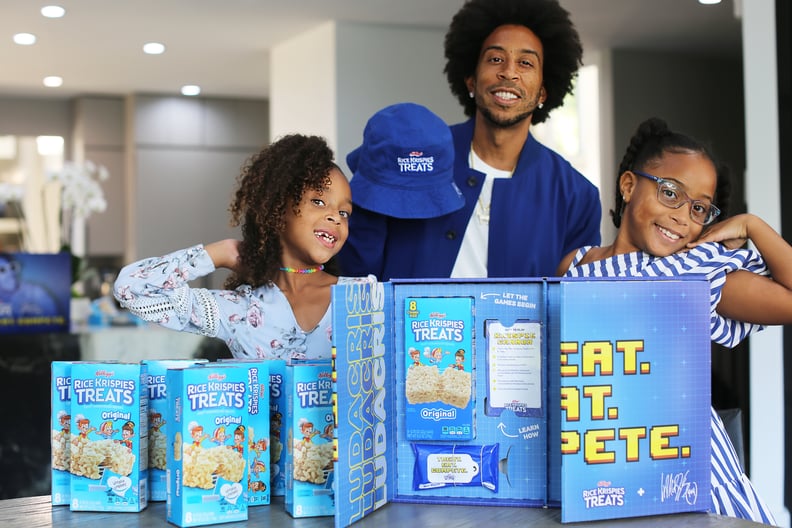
732,491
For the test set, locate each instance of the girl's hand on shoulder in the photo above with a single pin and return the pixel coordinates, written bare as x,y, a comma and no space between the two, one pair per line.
224,253
732,232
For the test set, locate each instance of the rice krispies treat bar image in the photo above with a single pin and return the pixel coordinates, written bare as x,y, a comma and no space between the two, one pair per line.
442,327
310,428
438,351
90,458
455,387
312,461
202,465
276,446
109,437
158,443
158,393
60,437
425,384
422,384
61,442
207,444
258,430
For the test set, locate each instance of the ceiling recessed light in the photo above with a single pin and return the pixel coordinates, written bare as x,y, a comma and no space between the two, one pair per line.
709,2
53,11
25,39
53,81
190,89
153,48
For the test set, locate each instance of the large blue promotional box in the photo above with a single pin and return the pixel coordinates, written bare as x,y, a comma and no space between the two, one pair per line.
592,395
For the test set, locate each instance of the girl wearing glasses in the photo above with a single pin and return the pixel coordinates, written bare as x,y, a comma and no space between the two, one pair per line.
669,224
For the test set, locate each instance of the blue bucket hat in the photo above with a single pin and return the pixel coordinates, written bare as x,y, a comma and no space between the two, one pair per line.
405,166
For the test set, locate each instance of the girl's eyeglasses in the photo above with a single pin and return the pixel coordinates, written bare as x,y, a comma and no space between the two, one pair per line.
671,195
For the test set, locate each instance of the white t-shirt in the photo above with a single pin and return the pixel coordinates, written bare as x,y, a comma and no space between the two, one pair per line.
471,261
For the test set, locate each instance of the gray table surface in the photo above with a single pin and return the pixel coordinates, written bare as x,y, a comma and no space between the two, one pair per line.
38,512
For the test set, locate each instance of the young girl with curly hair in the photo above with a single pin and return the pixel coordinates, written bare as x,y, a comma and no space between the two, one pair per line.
293,205
670,207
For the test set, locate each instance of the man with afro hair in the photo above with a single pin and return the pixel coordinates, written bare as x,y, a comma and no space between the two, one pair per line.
509,62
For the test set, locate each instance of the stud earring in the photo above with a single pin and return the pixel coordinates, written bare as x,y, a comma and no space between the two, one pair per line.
471,95
541,105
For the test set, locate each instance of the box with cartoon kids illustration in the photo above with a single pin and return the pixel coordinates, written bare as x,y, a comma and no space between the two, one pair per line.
276,431
60,418
438,338
156,370
278,435
531,393
206,465
108,455
309,449
258,431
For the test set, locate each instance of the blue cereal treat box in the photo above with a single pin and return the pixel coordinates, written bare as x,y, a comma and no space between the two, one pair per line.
277,424
60,420
157,410
207,475
438,351
309,453
258,407
109,447
278,434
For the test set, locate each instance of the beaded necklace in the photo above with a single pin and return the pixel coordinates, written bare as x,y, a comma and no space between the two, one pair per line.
303,271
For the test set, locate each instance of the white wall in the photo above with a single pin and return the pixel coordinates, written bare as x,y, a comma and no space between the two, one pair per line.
303,85
382,65
331,80
763,198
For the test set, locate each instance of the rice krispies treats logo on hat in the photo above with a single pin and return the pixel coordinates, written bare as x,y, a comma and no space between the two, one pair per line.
415,162
404,168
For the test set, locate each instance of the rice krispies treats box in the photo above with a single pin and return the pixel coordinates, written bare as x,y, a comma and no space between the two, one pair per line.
206,476
60,420
277,427
109,442
439,368
309,450
277,376
258,486
157,410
